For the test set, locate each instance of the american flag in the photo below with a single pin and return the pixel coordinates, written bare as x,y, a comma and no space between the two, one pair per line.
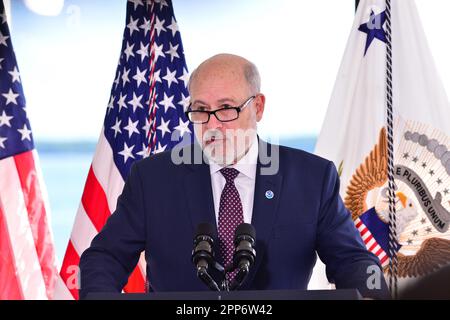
145,115
371,242
27,256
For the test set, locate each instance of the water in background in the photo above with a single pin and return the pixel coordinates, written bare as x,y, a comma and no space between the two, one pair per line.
65,167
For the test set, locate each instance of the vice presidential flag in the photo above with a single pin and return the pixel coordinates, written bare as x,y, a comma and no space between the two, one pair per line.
27,255
354,137
145,115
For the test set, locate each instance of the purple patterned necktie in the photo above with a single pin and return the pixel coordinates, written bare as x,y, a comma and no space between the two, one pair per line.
230,216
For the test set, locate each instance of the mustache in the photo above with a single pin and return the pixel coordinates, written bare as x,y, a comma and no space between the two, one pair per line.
212,135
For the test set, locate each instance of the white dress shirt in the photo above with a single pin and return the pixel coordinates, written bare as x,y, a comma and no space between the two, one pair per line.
245,181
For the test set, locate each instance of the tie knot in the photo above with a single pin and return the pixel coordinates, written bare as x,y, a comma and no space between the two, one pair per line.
229,173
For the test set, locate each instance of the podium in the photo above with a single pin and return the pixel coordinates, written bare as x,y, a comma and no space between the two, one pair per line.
340,294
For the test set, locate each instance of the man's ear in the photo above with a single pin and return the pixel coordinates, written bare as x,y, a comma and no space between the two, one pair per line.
260,101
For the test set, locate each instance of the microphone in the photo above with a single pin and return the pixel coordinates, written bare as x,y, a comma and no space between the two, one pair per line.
245,254
202,253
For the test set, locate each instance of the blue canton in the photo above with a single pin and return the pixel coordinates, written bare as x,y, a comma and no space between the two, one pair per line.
149,95
15,130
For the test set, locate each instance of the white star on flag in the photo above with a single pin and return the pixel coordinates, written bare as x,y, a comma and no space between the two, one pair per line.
131,127
183,127
116,80
159,26
11,97
143,152
3,39
111,103
4,119
140,76
25,132
121,103
184,77
136,102
145,26
185,101
146,127
2,142
15,75
173,52
129,51
158,52
170,77
160,148
132,26
174,27
116,127
157,77
126,152
164,127
167,102
136,3
125,78
143,51
163,3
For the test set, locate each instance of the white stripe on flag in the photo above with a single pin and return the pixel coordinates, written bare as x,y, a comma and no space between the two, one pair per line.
16,216
370,243
44,194
106,172
61,290
366,234
362,227
376,249
83,231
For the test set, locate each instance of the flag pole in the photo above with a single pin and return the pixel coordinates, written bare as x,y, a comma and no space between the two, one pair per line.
393,237
393,243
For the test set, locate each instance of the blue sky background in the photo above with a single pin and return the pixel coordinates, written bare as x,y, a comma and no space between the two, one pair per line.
67,62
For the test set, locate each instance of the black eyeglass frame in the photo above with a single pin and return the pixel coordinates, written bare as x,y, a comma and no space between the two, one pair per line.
238,108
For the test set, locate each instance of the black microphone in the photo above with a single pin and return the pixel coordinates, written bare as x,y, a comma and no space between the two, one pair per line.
245,254
202,254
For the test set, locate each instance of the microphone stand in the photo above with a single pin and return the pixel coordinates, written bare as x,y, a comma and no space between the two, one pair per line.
203,274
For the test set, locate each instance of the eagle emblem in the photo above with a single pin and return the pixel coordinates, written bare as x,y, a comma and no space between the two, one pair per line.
422,179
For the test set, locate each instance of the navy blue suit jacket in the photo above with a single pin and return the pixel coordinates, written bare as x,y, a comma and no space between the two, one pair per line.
162,203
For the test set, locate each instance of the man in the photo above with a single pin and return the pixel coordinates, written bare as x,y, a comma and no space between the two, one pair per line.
291,198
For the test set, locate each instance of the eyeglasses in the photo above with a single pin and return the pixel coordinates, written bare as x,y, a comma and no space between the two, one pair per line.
225,114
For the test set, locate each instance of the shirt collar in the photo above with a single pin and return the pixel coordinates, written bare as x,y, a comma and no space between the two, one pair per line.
246,165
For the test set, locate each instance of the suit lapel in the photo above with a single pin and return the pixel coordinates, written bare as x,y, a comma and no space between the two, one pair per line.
265,205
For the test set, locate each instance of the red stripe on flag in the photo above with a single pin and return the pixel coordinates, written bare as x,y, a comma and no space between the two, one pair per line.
95,202
358,224
10,288
37,217
368,239
136,282
379,252
70,269
384,259
373,246
364,231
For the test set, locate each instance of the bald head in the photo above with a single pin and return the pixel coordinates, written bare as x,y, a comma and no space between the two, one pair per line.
229,63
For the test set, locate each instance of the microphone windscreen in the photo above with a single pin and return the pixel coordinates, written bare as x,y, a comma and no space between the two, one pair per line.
245,229
206,229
